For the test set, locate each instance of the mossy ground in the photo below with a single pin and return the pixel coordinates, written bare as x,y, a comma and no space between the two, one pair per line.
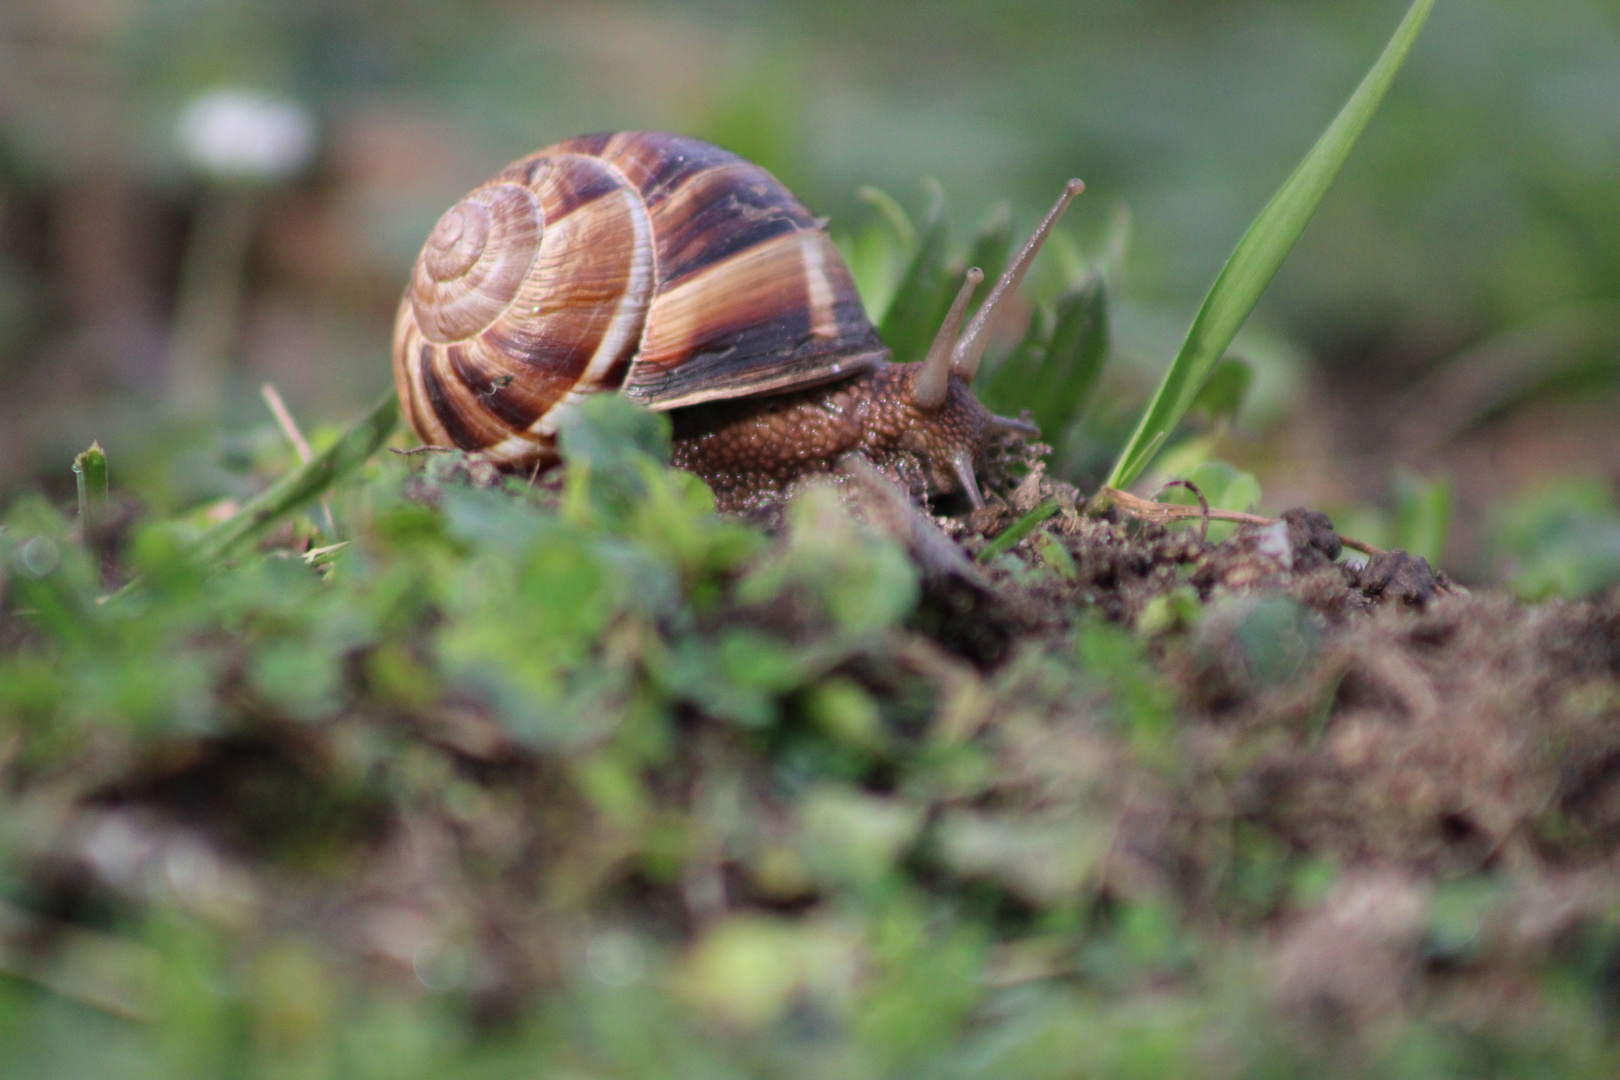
580,779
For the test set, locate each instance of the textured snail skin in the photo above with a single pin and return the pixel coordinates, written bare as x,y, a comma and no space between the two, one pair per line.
752,450
683,277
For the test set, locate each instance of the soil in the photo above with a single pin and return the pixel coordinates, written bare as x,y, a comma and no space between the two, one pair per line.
1420,724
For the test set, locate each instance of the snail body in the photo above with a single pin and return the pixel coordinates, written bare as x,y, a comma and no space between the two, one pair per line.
689,280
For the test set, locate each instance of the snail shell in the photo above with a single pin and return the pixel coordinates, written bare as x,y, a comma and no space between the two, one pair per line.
651,264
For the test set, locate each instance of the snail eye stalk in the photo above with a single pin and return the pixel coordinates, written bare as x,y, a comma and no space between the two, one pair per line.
970,350
928,389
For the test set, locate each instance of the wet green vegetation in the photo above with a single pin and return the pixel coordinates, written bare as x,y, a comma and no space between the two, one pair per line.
583,779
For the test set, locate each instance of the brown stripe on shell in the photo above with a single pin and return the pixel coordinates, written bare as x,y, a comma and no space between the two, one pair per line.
534,388
498,390
661,263
619,370
776,307
848,321
752,324
705,203
587,145
404,385
569,182
584,278
442,398
522,171
487,391
657,163
718,212
458,396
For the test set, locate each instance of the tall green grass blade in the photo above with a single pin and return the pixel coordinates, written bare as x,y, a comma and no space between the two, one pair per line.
305,483
1255,260
914,314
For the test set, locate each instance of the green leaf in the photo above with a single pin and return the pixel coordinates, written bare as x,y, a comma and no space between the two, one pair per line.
300,677
1055,366
860,580
1225,390
738,677
1257,257
916,310
1560,539
1139,700
1044,862
1223,486
607,442
612,433
876,258
989,252
304,484
1008,384
1074,359
854,838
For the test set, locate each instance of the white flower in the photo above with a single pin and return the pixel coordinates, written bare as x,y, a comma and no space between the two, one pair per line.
242,135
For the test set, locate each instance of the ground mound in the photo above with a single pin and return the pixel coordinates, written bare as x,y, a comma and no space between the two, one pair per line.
586,780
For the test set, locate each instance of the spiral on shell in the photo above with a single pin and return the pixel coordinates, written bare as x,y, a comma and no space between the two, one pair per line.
645,263
474,263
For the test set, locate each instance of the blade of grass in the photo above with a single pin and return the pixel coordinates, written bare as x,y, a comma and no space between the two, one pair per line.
1018,530
891,210
305,483
98,969
1422,515
1259,254
90,474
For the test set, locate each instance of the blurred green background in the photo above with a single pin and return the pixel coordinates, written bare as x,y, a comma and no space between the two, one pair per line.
1451,312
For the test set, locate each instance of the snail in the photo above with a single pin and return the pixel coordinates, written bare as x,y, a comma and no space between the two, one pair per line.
691,281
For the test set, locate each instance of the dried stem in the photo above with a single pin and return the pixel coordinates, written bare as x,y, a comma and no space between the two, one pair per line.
284,418
1164,513
300,445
